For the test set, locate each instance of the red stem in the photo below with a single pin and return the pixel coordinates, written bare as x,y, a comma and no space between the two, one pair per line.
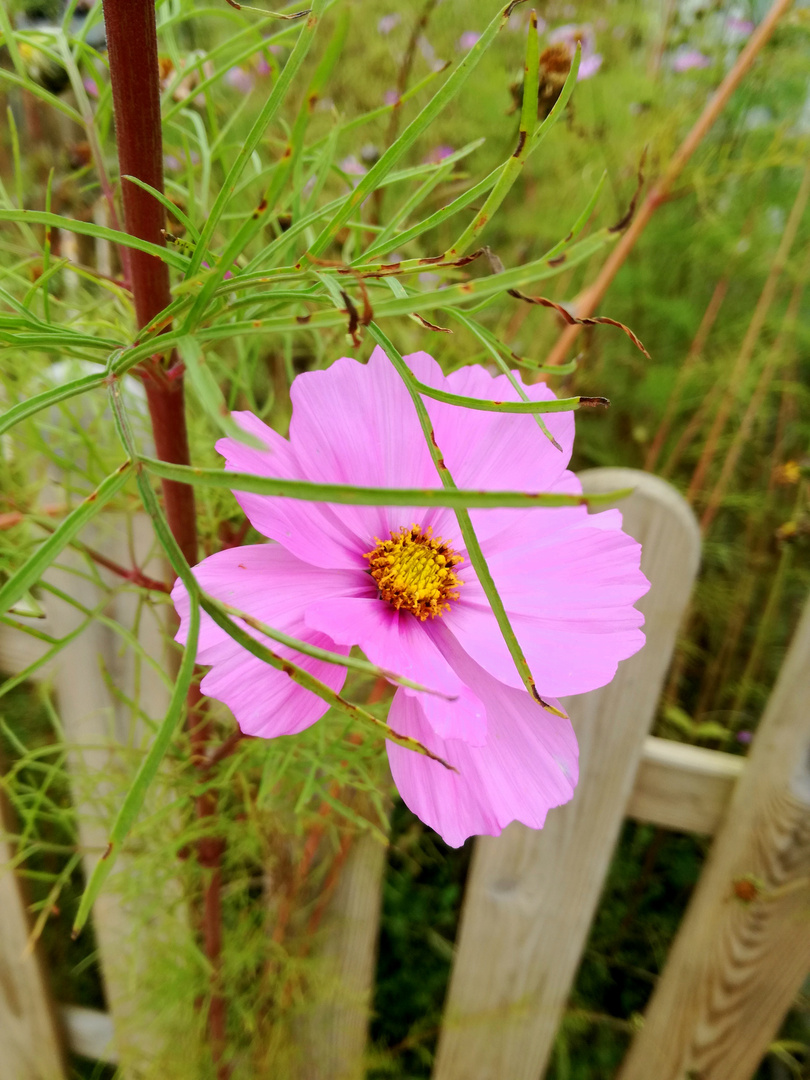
132,47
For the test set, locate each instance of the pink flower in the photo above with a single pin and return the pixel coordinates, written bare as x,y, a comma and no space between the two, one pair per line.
398,583
240,79
687,59
589,66
571,35
438,154
388,23
739,29
467,40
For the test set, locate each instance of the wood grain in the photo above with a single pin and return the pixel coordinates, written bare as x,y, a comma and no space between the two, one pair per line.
335,1032
30,1045
98,678
682,787
743,949
531,895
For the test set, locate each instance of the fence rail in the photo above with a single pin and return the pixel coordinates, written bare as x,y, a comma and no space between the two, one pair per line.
739,958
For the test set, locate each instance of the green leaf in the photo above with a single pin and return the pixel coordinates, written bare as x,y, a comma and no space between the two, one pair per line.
366,496
88,228
166,202
265,117
209,394
33,569
417,126
35,404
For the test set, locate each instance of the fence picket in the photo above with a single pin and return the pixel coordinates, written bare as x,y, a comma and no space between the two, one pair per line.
335,1032
102,730
531,895
683,787
30,1045
743,948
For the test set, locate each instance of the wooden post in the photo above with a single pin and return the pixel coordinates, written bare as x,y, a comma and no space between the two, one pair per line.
104,734
743,949
683,787
334,1033
531,895
30,1046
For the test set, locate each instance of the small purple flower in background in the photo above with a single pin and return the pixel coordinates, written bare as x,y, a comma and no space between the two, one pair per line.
388,23
90,87
174,164
239,79
571,35
467,40
263,69
353,166
438,153
429,54
225,276
391,97
689,59
397,582
589,66
744,736
739,29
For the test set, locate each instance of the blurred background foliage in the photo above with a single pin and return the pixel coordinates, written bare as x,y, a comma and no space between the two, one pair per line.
690,290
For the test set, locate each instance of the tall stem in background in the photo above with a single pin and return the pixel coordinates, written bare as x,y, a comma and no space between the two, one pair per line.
592,294
132,45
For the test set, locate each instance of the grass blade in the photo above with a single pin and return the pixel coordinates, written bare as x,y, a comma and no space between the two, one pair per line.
417,126
18,584
268,112
41,401
134,799
345,494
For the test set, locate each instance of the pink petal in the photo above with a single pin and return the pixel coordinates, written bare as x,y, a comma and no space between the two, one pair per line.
273,586
528,765
309,530
356,424
494,451
568,591
399,642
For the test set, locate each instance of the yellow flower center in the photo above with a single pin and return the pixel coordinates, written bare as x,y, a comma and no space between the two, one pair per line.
414,572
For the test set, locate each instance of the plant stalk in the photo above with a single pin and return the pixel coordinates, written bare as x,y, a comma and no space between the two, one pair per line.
591,296
132,46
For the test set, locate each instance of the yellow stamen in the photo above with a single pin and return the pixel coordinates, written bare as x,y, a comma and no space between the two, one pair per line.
414,572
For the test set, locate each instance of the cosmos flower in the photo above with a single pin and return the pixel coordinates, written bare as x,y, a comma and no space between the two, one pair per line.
689,59
398,583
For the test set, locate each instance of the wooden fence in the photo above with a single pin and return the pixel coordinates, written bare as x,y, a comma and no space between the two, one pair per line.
741,954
